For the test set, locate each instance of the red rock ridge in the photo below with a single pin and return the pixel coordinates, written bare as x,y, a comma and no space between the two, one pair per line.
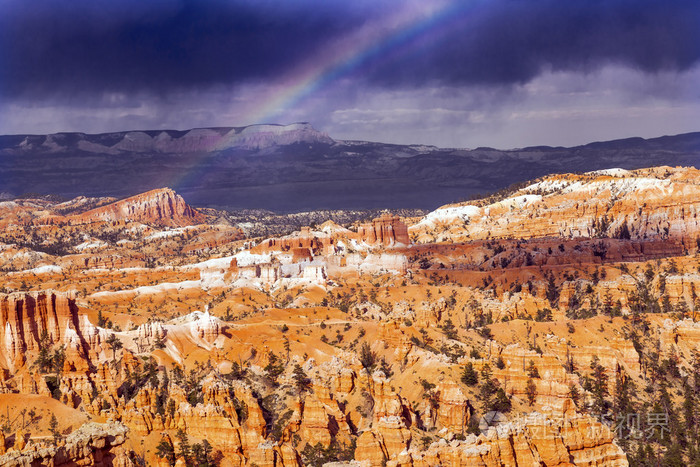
161,206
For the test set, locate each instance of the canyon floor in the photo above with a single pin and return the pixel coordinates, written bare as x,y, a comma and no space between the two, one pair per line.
551,324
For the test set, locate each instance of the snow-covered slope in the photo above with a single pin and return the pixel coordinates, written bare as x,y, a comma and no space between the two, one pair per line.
661,202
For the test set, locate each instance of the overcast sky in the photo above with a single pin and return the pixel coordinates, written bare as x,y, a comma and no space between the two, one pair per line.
465,73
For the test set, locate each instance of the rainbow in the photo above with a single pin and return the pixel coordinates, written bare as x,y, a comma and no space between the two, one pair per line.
378,40
347,54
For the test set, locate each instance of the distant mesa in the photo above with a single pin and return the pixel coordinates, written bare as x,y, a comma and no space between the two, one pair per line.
264,136
196,140
295,168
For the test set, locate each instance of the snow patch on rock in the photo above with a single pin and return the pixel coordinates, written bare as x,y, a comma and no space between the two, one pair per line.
450,214
152,289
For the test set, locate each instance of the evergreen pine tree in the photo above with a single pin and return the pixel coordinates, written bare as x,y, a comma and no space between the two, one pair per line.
501,403
449,329
184,450
53,429
599,386
301,381
531,392
532,370
488,388
500,363
469,376
574,394
165,450
622,398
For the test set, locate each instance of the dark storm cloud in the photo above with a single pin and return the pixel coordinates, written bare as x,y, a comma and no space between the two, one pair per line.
512,41
51,48
48,47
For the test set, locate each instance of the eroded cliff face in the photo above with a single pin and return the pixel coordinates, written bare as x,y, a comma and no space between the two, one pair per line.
385,230
30,320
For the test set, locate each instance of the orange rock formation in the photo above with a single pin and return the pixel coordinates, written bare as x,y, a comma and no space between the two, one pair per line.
385,230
